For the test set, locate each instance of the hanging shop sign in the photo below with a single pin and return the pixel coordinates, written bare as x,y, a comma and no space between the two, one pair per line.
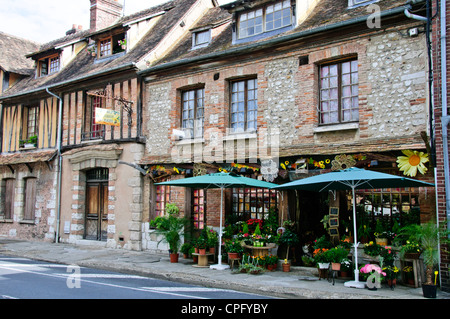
107,117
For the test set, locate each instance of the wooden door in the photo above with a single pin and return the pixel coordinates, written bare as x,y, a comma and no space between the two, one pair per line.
96,217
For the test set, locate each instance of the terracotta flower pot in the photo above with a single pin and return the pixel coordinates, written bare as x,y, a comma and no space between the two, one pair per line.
336,266
173,258
233,255
202,251
286,267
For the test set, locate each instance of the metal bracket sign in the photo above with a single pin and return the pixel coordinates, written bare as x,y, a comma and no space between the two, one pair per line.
111,117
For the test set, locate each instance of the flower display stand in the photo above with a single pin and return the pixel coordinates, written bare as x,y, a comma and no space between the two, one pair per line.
260,251
202,259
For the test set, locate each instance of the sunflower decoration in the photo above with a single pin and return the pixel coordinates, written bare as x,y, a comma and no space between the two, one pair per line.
411,162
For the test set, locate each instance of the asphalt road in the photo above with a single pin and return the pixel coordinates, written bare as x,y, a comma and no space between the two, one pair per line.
22,278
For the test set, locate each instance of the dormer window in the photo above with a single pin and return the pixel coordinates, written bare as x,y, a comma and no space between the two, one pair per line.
48,65
269,18
201,39
356,3
111,45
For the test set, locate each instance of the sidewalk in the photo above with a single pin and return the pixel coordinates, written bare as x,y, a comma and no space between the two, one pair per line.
301,282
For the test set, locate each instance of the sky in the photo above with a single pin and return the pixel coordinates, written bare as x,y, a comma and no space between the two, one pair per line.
52,18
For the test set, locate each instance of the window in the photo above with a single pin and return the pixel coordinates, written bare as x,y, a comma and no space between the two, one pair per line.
193,113
162,198
272,17
201,38
30,198
32,121
48,65
105,47
199,208
92,130
390,206
339,93
253,202
278,15
244,105
357,3
111,45
8,198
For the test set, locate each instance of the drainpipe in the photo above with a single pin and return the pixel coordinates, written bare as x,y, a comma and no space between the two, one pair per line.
58,145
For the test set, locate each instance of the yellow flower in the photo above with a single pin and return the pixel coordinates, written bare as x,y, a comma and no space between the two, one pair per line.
411,162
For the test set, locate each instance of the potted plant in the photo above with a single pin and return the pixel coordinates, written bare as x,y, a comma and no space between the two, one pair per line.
372,274
213,239
335,256
321,259
346,267
29,143
391,275
289,238
234,249
171,227
428,236
380,234
286,266
185,249
372,249
271,261
202,245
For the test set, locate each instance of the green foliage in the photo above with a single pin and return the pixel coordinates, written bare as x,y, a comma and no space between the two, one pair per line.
428,236
170,227
336,255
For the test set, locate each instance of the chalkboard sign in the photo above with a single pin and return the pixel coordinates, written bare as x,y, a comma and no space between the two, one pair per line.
334,211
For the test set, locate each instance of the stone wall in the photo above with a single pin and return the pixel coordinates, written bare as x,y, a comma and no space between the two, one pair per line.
43,225
392,96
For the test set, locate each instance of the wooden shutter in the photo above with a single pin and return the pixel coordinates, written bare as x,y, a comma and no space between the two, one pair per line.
30,198
9,199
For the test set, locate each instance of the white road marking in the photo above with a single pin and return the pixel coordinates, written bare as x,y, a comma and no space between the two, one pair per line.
64,276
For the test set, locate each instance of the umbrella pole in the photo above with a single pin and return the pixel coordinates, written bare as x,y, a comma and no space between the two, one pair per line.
356,283
219,266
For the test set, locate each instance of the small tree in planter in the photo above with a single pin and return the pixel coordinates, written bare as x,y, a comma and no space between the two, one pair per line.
289,238
171,227
428,236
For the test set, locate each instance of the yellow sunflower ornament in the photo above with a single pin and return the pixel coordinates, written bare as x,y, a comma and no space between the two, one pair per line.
411,162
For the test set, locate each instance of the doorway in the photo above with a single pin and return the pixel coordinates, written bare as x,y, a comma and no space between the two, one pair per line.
96,217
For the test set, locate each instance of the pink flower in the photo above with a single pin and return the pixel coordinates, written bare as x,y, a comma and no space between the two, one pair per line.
368,268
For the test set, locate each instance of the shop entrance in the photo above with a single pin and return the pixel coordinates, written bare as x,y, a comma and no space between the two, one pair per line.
96,219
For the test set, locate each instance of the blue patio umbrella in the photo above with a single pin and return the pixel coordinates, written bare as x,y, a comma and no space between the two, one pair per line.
220,180
352,179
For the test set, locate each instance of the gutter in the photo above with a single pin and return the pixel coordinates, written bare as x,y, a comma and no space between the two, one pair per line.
271,42
59,186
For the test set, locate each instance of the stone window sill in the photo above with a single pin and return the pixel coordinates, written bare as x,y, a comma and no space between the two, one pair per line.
336,127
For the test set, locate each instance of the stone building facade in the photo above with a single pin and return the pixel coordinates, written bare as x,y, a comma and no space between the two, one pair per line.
393,101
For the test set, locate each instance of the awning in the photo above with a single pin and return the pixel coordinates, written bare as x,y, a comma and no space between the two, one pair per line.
27,157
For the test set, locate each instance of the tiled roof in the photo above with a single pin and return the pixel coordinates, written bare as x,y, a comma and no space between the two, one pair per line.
83,65
326,13
12,54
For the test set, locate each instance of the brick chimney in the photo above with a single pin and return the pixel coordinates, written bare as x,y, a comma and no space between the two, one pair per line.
104,13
